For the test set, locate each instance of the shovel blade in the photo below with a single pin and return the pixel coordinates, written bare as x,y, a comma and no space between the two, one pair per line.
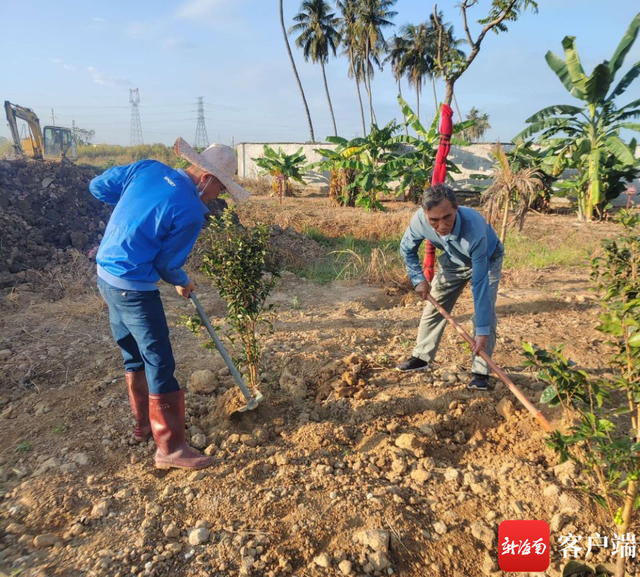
252,404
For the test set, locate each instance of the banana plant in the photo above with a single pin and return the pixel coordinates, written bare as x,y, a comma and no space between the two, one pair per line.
363,166
283,168
587,137
341,178
414,167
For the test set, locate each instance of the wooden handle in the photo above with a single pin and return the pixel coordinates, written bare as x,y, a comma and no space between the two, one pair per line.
546,425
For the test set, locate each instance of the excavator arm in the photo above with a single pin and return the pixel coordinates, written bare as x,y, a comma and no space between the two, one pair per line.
31,118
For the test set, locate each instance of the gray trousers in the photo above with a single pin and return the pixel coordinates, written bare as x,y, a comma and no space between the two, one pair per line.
447,286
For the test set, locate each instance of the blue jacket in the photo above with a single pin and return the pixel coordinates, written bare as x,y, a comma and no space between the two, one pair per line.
156,221
470,244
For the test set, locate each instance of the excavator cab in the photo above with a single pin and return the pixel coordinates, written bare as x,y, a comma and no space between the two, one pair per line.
58,142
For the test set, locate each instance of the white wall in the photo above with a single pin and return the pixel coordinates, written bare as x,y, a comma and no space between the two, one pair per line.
475,158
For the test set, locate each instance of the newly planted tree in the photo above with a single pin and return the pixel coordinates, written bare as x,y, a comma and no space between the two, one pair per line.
283,168
604,414
587,138
239,263
511,188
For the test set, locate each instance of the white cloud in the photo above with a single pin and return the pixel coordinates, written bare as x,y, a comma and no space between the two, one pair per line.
96,19
108,80
63,64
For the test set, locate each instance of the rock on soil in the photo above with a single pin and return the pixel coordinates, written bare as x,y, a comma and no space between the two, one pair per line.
45,207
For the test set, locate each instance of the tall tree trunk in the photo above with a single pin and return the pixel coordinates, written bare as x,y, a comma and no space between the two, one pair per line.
455,100
418,101
406,128
295,72
435,94
448,93
364,125
326,87
367,86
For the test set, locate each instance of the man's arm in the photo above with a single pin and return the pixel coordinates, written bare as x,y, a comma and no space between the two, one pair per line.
409,247
175,249
480,287
109,186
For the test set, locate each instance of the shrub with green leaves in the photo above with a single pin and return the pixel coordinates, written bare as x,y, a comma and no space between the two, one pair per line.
240,264
604,414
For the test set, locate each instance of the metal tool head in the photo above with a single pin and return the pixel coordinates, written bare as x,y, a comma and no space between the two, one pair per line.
252,403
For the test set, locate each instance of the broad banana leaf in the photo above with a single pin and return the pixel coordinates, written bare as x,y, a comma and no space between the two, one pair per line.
627,79
624,46
562,72
574,66
598,84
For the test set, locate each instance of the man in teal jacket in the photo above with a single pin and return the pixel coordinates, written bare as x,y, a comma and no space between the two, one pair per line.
471,251
157,218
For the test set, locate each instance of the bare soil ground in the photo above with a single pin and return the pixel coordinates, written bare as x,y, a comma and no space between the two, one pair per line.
342,444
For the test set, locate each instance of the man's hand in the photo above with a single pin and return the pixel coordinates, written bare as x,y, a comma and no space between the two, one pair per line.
480,344
423,289
185,291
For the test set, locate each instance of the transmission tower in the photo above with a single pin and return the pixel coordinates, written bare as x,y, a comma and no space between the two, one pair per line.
201,140
136,127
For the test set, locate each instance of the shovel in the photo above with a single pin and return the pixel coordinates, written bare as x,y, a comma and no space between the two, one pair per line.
252,402
546,425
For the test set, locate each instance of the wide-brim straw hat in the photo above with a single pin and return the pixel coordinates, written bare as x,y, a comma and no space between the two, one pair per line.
219,160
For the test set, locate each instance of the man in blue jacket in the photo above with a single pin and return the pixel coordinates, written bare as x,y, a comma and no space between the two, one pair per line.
157,218
471,251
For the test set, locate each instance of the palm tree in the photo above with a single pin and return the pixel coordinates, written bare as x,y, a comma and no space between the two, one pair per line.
319,38
510,187
479,127
295,71
372,17
397,51
418,60
349,34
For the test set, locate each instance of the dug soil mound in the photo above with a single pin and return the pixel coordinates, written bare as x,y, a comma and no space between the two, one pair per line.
45,208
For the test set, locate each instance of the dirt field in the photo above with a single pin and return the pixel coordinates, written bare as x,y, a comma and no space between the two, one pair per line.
347,468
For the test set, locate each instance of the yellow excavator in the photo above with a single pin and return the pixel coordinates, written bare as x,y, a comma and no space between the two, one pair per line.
56,143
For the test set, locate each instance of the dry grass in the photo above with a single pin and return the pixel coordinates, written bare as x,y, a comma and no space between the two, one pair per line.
323,216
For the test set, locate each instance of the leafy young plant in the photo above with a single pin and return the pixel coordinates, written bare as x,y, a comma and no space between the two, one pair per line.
598,438
283,168
587,138
510,188
363,164
239,262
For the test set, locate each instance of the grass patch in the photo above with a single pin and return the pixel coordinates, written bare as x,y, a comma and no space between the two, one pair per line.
348,258
522,252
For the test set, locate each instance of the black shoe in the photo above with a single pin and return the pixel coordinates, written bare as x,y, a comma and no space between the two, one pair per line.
479,382
413,364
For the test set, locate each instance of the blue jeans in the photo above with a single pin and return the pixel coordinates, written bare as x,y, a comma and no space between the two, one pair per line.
140,329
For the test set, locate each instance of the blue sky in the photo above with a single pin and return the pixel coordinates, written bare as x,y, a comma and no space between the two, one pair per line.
80,58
